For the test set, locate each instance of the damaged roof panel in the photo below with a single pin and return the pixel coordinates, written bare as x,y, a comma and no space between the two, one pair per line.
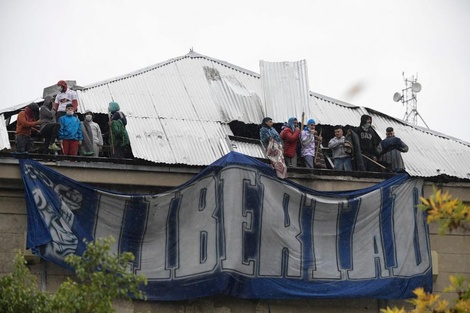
252,149
193,88
177,141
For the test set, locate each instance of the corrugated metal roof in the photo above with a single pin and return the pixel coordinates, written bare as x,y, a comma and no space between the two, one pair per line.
430,153
178,112
333,113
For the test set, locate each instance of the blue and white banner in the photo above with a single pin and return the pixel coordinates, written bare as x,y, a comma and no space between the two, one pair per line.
236,229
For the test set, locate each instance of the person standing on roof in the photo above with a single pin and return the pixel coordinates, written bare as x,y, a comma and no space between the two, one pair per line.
272,144
26,122
308,136
64,97
49,128
342,160
390,150
290,134
119,138
368,141
92,138
70,133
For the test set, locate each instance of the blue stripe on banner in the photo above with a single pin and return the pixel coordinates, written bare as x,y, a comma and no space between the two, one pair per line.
348,213
135,216
387,226
172,258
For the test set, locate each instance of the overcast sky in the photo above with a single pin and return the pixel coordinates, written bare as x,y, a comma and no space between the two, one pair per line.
361,45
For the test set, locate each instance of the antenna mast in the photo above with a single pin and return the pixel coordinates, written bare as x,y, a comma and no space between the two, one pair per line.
408,98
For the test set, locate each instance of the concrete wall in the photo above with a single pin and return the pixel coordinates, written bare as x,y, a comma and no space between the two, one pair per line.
453,250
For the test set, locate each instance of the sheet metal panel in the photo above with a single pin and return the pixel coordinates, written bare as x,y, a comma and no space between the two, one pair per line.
177,141
330,113
251,149
149,140
195,142
235,99
4,140
285,88
238,92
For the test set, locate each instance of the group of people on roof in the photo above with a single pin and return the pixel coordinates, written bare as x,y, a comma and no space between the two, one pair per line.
58,123
361,149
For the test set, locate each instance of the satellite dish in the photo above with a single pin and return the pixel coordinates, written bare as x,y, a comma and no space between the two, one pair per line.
397,97
416,87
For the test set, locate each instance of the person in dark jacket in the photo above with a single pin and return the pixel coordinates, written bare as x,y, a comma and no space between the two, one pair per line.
49,128
26,123
368,141
390,150
120,145
290,136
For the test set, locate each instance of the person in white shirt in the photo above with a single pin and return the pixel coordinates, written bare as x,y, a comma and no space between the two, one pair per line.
64,97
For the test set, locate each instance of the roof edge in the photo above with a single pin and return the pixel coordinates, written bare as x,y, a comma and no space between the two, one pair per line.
191,54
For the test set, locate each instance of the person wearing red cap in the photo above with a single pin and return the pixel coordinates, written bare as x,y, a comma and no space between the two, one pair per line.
64,97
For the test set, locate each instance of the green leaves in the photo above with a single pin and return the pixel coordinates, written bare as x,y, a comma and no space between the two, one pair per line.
100,277
19,291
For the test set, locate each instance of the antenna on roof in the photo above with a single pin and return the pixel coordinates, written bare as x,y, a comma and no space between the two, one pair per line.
408,97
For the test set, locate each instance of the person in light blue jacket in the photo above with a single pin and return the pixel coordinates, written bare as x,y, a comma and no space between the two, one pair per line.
70,133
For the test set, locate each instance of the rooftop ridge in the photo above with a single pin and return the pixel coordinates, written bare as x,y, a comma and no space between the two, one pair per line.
191,54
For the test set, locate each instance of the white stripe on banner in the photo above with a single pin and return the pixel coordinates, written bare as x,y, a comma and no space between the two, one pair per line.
109,219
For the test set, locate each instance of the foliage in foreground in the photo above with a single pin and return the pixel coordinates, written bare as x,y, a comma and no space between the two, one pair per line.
451,214
19,291
100,278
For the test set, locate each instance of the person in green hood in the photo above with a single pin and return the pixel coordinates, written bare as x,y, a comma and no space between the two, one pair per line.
119,138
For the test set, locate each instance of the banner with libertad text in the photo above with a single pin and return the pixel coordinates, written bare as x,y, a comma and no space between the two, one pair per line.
236,229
